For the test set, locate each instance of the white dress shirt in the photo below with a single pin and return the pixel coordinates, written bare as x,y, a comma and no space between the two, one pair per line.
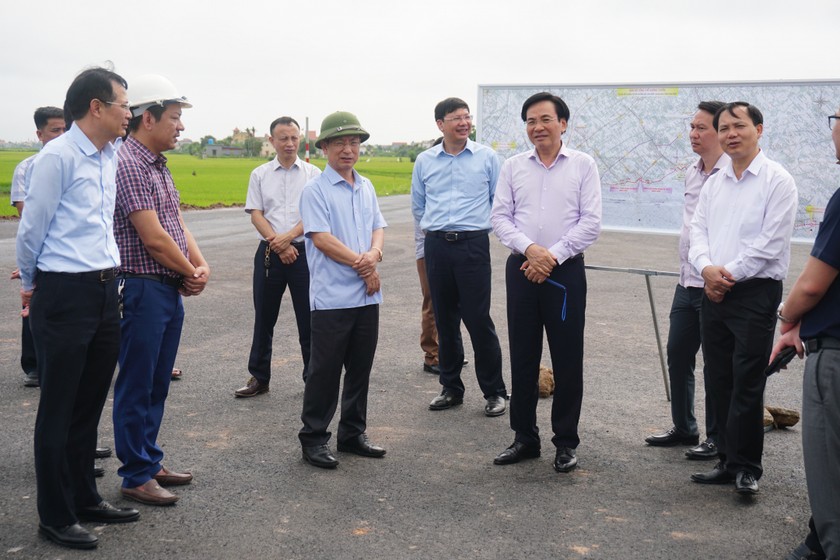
745,224
275,191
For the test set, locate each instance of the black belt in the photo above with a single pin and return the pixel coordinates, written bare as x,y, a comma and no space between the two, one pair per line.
821,343
161,278
296,244
457,235
102,276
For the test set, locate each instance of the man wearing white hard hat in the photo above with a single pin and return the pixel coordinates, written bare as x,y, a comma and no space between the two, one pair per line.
160,263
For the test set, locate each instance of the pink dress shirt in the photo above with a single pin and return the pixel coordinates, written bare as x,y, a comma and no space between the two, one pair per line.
557,207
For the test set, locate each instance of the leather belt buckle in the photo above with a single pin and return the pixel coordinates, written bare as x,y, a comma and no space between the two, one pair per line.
106,275
451,236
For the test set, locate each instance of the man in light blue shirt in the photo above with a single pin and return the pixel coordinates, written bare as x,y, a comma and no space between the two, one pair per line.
452,191
345,233
66,248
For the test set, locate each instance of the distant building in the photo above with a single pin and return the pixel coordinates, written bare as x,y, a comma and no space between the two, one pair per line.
267,151
217,150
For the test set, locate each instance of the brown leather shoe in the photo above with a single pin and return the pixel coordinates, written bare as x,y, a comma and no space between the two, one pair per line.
251,389
150,494
165,477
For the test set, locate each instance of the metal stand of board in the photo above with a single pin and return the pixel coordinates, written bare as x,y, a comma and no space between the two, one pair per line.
647,274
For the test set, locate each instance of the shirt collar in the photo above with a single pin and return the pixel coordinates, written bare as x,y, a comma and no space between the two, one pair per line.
722,162
145,153
276,163
469,147
564,152
78,136
334,178
754,167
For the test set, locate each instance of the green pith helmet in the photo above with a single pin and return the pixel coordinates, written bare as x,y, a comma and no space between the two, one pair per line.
341,123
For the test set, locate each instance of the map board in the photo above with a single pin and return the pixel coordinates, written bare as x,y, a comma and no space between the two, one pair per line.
638,135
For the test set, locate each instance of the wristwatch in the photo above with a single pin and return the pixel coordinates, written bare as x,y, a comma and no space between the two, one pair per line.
781,317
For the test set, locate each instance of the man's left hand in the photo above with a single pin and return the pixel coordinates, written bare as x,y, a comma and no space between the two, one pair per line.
366,263
195,284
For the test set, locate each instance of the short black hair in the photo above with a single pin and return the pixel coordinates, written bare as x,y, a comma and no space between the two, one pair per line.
43,114
156,111
282,120
449,105
93,83
711,107
560,106
755,115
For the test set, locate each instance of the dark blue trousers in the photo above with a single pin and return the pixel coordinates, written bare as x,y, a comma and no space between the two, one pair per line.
683,343
270,284
532,308
153,315
459,281
76,328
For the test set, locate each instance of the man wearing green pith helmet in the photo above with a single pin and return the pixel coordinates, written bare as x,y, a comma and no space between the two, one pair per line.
344,232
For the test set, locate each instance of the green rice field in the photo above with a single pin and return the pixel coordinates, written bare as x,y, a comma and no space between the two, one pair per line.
211,182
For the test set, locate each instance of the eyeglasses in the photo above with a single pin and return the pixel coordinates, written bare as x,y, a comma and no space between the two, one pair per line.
543,121
354,143
459,118
832,121
124,106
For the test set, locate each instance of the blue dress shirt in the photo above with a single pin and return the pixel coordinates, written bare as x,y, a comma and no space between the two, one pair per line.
329,204
68,225
454,193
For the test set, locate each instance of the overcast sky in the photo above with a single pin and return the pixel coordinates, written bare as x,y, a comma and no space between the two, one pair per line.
244,62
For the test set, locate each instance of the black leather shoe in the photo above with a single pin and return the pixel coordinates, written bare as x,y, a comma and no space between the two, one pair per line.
565,460
320,456
495,406
102,452
431,368
30,379
516,453
446,399
745,483
98,471
718,475
106,513
804,552
71,536
703,452
361,445
672,438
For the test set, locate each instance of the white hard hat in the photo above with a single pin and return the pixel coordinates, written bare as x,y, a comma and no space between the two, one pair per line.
153,89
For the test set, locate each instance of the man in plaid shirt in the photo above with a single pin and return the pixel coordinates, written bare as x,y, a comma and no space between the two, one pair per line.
160,263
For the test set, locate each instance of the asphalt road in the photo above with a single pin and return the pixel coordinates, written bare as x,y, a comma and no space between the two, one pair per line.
437,493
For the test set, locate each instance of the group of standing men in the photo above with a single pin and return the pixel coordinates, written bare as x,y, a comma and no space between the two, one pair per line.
104,259
95,217
735,252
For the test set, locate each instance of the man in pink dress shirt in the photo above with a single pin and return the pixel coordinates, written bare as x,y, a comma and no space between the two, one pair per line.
547,210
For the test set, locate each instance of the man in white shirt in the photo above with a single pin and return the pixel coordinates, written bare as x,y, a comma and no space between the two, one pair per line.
740,243
273,202
684,331
49,125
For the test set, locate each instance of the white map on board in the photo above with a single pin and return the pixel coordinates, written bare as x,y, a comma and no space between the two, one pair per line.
638,136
